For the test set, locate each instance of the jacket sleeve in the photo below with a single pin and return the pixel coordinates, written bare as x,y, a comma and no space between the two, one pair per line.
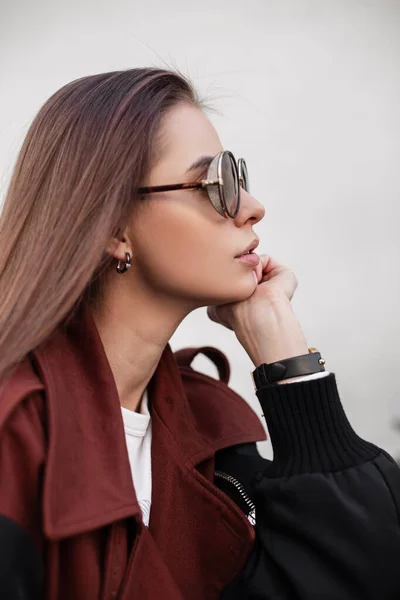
327,505
21,465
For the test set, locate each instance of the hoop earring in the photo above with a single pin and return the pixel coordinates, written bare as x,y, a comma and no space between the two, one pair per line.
127,264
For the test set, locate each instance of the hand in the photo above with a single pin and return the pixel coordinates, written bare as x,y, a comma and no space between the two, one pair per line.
265,323
276,284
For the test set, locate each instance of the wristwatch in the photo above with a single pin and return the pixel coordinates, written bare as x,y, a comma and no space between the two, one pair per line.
306,364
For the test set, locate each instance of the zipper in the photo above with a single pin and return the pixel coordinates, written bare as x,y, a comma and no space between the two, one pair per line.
252,514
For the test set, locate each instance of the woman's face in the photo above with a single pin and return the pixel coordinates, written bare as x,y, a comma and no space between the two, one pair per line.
182,248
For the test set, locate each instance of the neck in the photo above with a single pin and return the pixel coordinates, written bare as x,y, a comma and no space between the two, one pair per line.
134,333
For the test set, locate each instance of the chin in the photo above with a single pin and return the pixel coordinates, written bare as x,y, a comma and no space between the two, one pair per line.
244,287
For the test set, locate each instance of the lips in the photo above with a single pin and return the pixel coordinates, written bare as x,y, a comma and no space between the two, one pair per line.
249,248
251,259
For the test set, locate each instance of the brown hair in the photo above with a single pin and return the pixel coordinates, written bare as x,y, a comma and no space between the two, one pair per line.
87,151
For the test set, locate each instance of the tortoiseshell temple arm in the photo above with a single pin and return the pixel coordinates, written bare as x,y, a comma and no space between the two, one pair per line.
176,186
169,188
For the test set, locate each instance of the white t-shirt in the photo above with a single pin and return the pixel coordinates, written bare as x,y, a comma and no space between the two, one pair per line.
138,440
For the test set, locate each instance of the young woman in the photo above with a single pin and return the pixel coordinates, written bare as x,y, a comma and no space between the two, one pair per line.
123,473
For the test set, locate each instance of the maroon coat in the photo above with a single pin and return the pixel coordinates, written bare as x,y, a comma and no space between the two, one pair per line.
65,476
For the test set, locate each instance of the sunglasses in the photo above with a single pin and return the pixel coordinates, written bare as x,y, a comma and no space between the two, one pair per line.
224,179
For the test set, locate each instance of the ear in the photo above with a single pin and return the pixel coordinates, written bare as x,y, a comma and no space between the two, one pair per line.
117,248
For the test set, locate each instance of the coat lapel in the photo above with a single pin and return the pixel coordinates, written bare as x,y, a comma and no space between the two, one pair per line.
87,483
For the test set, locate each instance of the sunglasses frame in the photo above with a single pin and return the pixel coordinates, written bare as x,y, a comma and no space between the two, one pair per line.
214,184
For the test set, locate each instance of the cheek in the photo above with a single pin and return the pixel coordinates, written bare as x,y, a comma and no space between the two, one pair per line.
178,255
185,255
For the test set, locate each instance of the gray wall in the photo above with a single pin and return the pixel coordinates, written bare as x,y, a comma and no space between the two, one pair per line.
309,93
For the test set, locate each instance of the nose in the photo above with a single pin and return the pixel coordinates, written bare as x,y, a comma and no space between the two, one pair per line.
250,208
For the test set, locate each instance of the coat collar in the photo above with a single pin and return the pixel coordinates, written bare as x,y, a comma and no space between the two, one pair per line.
88,480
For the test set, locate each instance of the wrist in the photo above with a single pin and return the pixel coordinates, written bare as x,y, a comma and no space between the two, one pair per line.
278,337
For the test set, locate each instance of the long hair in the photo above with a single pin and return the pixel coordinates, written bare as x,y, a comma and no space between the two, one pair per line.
74,187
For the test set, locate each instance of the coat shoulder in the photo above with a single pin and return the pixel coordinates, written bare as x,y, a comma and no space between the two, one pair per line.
23,449
22,388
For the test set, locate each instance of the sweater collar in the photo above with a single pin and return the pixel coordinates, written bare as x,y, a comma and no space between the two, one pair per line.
88,481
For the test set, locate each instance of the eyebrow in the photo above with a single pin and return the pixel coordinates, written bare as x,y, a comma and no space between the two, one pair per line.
202,161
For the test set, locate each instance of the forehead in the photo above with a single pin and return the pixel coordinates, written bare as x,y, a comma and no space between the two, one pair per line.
186,134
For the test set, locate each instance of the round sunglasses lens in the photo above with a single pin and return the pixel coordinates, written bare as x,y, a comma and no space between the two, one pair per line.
244,176
230,179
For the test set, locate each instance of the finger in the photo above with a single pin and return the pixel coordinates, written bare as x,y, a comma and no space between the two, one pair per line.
272,268
261,266
212,314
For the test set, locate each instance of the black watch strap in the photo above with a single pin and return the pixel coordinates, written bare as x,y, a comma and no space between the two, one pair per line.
306,364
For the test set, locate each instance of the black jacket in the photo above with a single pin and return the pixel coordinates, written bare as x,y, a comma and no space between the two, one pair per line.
326,507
